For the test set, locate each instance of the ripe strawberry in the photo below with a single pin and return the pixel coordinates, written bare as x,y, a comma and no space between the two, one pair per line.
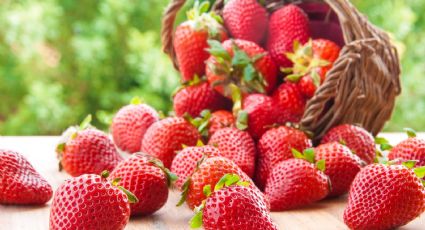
385,197
233,205
275,146
208,173
237,146
190,40
311,62
411,149
85,150
130,124
246,19
167,136
287,25
295,183
240,64
356,138
90,202
260,114
147,179
341,166
186,161
220,119
198,96
20,183
289,102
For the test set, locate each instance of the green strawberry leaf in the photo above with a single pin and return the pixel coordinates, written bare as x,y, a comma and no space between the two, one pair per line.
136,101
309,155
185,192
410,164
116,181
410,132
86,122
204,7
196,221
240,58
293,77
207,190
171,177
217,50
297,154
243,183
104,174
249,73
60,148
316,78
227,180
242,120
420,172
321,165
383,143
132,199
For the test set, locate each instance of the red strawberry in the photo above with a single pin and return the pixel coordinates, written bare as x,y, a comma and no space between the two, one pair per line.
167,136
190,40
20,183
237,146
197,97
385,197
85,150
356,138
130,124
233,205
261,114
185,163
275,146
240,63
341,166
209,173
289,102
246,19
287,25
220,119
311,62
411,149
295,183
90,202
147,179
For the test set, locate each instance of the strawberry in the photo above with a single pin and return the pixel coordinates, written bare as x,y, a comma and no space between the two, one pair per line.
289,102
20,183
220,119
232,205
287,25
341,166
356,138
130,124
295,183
84,150
167,136
246,19
186,161
91,202
237,146
385,197
275,146
311,62
208,173
190,40
240,64
411,149
260,114
147,179
196,97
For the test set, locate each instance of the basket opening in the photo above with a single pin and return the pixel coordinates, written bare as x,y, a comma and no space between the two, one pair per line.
324,22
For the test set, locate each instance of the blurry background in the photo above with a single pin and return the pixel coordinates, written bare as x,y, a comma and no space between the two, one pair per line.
63,59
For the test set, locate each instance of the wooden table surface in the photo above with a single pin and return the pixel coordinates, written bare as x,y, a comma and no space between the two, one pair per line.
39,151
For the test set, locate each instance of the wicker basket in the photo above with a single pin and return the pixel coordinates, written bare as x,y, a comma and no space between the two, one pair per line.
362,85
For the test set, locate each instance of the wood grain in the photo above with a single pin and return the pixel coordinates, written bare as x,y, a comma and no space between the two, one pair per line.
326,215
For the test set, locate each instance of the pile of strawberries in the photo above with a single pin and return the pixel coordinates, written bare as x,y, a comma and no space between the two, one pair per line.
231,148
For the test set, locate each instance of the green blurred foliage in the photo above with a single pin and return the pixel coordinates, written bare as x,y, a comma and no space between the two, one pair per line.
63,59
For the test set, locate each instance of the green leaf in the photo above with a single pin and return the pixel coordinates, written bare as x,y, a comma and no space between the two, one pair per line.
249,73
321,165
60,148
132,199
242,120
420,172
240,58
204,7
297,154
171,177
293,77
316,78
199,143
385,147
136,101
217,50
233,179
86,122
207,190
104,174
185,192
196,221
410,132
243,183
410,164
309,155
220,184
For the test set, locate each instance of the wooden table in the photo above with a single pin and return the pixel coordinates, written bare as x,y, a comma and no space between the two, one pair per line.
40,152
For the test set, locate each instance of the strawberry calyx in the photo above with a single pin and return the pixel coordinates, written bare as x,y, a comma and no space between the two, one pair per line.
201,123
185,192
309,155
226,181
201,18
411,133
238,69
132,199
136,101
171,177
419,171
305,63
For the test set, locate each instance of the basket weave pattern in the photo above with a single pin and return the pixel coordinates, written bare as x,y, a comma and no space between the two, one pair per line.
363,84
